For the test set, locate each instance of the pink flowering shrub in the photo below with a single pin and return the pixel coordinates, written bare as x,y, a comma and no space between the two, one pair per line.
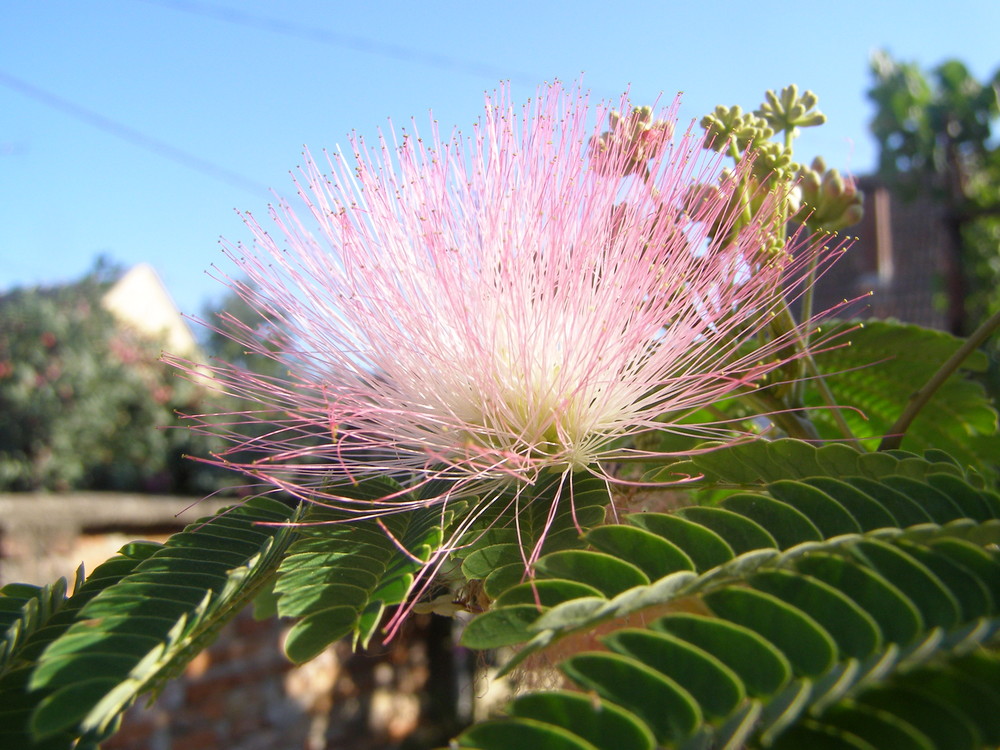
482,309
477,342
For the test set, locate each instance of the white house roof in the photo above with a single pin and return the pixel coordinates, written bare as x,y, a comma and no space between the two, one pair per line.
140,299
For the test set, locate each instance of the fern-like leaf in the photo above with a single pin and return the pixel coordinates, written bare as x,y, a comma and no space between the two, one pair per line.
135,623
959,419
823,612
34,617
754,463
530,521
340,575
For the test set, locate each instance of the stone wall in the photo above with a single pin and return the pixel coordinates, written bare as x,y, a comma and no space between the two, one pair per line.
44,536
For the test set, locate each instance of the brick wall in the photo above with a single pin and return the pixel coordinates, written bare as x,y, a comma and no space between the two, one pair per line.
241,693
897,256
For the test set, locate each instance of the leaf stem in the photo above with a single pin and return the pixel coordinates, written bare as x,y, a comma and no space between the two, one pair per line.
789,420
810,367
807,307
827,395
920,397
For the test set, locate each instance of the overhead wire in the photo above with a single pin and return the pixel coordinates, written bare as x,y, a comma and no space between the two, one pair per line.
130,134
274,25
347,41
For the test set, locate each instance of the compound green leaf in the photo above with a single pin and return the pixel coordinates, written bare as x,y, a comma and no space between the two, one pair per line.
739,532
309,636
905,510
527,733
857,635
669,710
808,647
880,728
762,668
973,503
934,502
598,721
817,736
650,553
606,573
945,726
787,525
704,547
897,617
827,514
505,626
868,513
545,592
715,687
937,605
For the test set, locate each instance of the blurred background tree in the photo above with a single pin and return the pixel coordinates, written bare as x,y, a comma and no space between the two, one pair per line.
934,130
85,402
227,313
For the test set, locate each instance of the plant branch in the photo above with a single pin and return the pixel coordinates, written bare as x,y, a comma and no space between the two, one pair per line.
809,365
919,399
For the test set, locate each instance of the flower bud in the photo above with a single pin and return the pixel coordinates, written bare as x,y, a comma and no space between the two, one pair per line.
727,124
790,111
830,201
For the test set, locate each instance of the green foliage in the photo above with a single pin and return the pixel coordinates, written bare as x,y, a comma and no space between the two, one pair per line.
525,522
34,617
341,574
885,363
935,135
759,462
83,402
846,605
814,593
922,119
72,665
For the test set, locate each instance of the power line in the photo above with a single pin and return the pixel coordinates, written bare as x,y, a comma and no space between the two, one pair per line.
269,24
347,41
136,137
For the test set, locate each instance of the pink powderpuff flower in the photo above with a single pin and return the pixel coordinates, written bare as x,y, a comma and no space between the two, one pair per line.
481,310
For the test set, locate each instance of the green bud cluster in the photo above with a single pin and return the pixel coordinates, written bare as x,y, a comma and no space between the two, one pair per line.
772,236
731,124
788,111
772,187
765,191
830,202
773,160
819,198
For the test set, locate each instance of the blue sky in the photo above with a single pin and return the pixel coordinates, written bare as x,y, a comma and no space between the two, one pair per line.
134,128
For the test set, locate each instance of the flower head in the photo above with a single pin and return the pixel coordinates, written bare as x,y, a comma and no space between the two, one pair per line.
483,309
